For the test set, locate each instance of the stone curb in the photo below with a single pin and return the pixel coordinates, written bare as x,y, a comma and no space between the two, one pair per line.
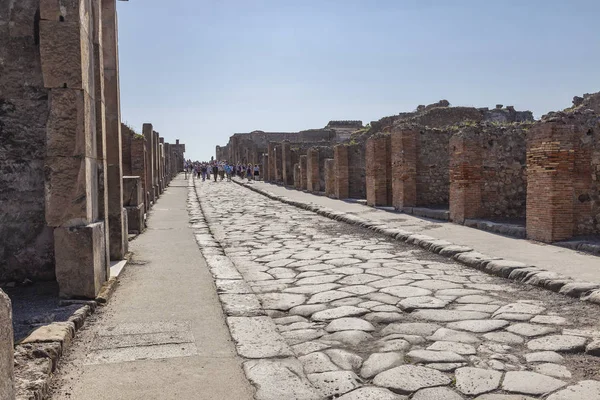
107,290
269,361
513,270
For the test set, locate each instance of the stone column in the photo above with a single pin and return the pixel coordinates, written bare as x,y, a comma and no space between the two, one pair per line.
341,169
297,176
156,149
378,171
7,377
313,183
147,131
303,172
550,182
278,163
466,168
286,154
330,177
66,49
138,166
264,167
271,174
404,168
134,203
116,213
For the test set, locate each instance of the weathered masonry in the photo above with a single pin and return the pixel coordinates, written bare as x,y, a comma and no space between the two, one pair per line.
473,166
72,174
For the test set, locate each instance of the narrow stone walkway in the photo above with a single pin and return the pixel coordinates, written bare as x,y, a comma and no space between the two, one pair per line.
163,334
369,317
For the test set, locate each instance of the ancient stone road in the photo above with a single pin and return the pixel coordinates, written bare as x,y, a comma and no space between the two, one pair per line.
372,318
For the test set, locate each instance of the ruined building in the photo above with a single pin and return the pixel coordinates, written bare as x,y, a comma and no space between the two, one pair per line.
75,181
475,166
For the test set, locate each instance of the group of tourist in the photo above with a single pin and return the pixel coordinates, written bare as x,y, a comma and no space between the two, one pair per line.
222,170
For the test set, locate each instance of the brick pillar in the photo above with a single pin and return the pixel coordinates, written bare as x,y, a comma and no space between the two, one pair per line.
66,49
297,176
313,183
341,170
264,167
134,203
550,177
288,173
378,171
147,132
303,172
271,175
156,149
278,163
330,177
7,377
116,213
466,169
138,165
404,168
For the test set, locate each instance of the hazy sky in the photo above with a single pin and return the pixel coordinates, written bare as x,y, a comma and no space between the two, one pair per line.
202,70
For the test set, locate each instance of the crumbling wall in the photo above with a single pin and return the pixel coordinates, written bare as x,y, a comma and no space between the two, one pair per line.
26,242
433,181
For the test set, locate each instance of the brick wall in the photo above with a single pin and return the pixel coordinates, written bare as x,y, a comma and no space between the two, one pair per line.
271,174
340,161
313,181
287,163
357,174
297,177
278,163
404,167
465,175
378,170
330,177
303,172
433,182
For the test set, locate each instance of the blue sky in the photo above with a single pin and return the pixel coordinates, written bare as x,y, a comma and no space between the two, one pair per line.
202,70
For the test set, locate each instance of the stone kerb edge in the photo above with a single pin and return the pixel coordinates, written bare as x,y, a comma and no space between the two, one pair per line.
513,270
254,365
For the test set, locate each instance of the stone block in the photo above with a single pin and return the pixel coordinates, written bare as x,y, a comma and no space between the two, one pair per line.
330,177
404,168
7,383
132,191
303,172
65,10
378,170
135,219
80,260
286,154
67,55
71,126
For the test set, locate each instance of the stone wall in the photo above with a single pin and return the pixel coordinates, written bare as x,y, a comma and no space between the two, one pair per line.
357,175
433,182
26,243
127,135
330,177
379,170
7,384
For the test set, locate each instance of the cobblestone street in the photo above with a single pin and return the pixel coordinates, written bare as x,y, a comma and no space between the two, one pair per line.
361,316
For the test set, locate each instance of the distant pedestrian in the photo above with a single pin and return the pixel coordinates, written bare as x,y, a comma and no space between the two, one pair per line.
249,172
256,172
215,171
203,171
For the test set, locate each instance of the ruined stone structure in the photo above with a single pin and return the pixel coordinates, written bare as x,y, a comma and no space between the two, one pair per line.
7,384
64,209
477,163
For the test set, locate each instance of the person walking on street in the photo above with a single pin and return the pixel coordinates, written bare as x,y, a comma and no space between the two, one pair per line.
215,170
256,172
203,171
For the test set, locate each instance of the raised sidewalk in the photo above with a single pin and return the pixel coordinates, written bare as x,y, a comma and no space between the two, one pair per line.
569,271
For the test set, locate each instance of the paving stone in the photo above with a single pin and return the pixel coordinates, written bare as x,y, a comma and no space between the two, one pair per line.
559,343
593,348
353,338
407,379
257,337
584,390
328,296
384,271
504,337
342,262
530,330
349,324
459,348
309,347
372,393
345,359
446,367
554,370
549,319
302,335
348,301
458,292
393,345
312,289
438,393
544,356
383,283
383,298
383,317
475,299
307,310
334,383
289,320
308,255
411,328
448,315
296,326
413,303
474,381
412,339
281,301
450,335
338,312
493,396
347,270
317,362
513,316
478,326
386,308
532,383
358,289
318,279
405,291
521,308
428,356
379,362
279,379
238,286
359,279
486,308
434,284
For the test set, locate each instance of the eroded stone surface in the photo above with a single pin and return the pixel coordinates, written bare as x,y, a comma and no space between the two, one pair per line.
407,379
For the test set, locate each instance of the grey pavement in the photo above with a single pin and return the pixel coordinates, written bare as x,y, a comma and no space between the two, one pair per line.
163,334
369,317
577,265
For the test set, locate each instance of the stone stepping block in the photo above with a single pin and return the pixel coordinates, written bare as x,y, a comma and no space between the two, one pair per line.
531,383
474,381
407,379
530,330
349,324
559,343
